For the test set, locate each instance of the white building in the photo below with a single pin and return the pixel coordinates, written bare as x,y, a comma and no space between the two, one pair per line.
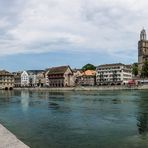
24,79
117,73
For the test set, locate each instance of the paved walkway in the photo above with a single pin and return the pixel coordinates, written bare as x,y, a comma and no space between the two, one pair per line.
8,140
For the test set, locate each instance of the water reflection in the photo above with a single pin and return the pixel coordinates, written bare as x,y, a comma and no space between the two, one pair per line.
5,96
143,123
143,114
53,105
44,119
25,100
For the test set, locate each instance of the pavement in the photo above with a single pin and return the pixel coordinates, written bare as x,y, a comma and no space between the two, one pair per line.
9,140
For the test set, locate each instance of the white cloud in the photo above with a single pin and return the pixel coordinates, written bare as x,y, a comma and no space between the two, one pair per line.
81,25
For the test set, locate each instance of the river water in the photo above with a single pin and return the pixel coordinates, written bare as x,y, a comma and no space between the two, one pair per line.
77,119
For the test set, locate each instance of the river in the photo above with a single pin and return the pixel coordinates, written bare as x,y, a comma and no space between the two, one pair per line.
77,119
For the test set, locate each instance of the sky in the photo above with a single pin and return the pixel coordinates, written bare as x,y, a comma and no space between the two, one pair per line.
37,34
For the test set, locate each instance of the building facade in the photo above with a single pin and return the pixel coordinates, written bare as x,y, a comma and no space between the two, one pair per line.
32,79
24,79
35,78
88,78
46,77
111,74
17,79
77,73
142,49
60,76
41,79
6,80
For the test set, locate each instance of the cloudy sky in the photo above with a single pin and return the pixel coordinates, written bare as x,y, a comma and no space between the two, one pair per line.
36,34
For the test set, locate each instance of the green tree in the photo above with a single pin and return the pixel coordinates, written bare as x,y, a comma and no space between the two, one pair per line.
135,69
144,71
88,67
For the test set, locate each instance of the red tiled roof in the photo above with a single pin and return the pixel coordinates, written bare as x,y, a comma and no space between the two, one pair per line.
89,73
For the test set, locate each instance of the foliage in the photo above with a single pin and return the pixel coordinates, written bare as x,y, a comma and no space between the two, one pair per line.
144,71
135,69
88,67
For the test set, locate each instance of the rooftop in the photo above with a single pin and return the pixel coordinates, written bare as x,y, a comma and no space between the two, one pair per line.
4,72
58,70
89,73
34,71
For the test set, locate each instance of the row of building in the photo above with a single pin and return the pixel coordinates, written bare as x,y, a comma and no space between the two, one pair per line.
64,76
107,74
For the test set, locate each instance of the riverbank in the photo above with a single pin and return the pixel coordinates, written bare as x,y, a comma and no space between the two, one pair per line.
94,88
8,140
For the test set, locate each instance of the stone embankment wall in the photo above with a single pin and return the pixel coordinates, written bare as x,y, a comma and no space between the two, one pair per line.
88,88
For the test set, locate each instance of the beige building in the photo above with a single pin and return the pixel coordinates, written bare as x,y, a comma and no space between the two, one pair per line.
17,79
88,78
6,80
61,76
46,77
77,73
41,79
142,49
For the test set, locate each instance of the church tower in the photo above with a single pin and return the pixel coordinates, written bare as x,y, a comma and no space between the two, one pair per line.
143,35
142,49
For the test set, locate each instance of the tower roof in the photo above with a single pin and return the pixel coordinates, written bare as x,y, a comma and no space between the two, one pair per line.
143,34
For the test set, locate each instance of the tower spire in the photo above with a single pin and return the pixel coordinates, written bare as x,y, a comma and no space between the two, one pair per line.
143,34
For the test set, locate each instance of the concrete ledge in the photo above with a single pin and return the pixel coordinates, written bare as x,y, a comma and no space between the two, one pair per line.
81,88
8,140
87,88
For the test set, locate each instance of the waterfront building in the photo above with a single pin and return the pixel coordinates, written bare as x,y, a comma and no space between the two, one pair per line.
46,77
32,78
61,76
33,81
17,79
24,79
41,79
110,74
77,73
6,80
88,78
142,49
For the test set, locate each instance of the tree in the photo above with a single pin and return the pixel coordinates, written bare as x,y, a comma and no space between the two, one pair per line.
144,71
88,67
135,69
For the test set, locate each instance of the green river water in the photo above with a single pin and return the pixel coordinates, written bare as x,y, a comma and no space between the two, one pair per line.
77,119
